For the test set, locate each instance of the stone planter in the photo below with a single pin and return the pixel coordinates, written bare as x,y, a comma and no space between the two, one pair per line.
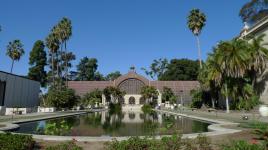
46,109
263,110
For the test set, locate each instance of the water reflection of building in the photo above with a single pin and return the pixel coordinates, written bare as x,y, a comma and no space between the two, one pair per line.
132,83
129,117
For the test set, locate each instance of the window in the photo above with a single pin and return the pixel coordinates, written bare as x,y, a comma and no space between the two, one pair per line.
2,93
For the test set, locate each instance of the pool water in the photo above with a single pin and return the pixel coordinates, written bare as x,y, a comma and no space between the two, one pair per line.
115,124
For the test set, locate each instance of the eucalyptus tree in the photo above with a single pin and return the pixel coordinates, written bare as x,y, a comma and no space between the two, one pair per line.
52,44
196,22
14,51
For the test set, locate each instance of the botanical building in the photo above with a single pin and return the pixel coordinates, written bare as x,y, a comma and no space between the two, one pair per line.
132,83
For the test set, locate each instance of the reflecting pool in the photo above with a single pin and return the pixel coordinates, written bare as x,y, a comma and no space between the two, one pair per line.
115,124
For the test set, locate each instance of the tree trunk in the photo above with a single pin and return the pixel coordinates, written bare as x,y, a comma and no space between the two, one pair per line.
227,98
199,51
57,56
52,66
66,65
213,103
11,70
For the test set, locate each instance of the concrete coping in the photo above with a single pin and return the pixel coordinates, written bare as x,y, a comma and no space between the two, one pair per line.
216,128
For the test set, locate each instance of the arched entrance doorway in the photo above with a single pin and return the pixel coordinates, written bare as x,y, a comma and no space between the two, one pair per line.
131,100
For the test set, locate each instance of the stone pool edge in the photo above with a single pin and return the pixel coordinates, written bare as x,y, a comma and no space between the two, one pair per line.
9,125
214,129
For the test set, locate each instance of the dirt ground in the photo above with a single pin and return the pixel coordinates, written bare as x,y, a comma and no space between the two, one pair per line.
217,141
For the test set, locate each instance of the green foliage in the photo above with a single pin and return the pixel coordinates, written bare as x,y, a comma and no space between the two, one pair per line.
65,146
64,98
149,93
196,21
254,125
60,60
16,142
113,94
92,98
38,61
15,51
174,142
243,145
157,68
57,128
146,108
254,11
112,76
168,95
87,68
180,69
233,69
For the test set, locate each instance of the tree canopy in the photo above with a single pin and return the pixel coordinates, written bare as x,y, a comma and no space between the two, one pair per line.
181,69
38,61
113,75
254,10
87,68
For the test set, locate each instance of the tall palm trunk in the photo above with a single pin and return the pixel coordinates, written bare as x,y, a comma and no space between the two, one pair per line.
227,98
12,66
52,66
66,65
199,51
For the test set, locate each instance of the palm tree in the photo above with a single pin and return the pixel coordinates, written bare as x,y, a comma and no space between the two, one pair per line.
259,58
64,32
231,59
14,51
53,45
196,22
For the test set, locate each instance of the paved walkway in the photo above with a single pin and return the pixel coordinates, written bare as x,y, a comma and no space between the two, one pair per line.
221,115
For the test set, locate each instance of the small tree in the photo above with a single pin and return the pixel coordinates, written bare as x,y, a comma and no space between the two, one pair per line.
92,98
150,93
168,95
64,98
113,93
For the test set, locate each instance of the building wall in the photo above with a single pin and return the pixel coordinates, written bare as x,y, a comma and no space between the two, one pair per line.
19,91
255,31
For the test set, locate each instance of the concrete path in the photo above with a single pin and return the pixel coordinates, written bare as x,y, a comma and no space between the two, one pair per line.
233,116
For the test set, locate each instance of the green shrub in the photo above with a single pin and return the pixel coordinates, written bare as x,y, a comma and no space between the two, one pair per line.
254,125
64,98
146,108
243,145
175,142
65,146
16,142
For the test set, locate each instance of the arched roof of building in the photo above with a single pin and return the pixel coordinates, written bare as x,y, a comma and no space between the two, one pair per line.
131,75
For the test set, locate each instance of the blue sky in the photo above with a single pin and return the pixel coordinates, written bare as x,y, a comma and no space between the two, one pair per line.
119,33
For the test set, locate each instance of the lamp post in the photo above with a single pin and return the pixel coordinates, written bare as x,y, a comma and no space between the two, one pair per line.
181,92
